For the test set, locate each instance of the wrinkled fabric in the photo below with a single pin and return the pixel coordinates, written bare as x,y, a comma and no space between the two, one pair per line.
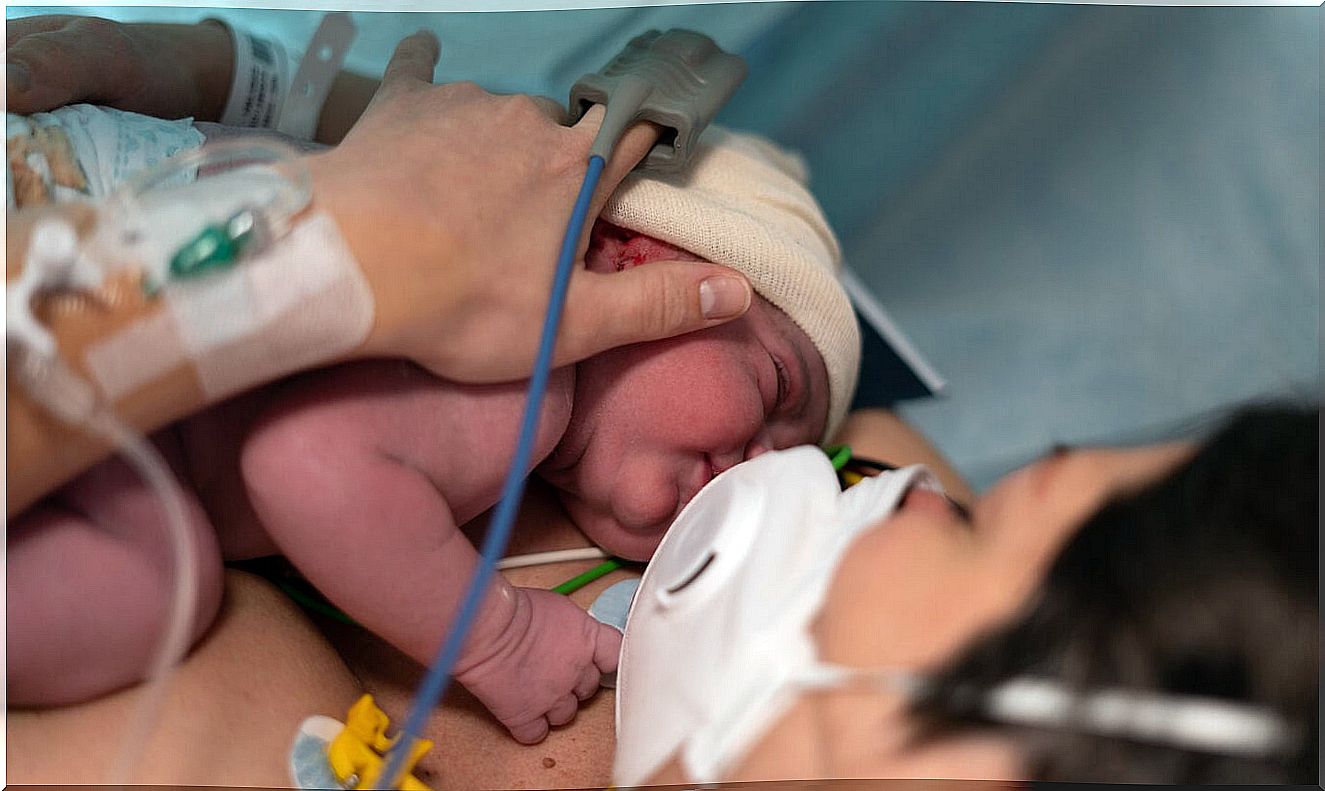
84,151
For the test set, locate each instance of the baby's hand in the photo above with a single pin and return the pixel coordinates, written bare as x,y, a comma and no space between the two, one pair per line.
537,670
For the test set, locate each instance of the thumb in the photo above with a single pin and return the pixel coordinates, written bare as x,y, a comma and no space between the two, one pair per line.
414,59
52,68
32,84
646,303
607,653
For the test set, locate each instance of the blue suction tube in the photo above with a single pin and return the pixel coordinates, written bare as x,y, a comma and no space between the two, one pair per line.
494,544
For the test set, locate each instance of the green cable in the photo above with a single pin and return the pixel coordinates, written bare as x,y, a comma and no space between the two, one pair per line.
839,455
575,583
312,604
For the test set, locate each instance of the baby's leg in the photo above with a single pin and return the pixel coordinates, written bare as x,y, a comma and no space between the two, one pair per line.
90,578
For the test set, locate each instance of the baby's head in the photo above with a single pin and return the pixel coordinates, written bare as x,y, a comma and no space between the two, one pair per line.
652,423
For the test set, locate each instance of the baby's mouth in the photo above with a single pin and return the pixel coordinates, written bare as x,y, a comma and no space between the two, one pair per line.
690,482
713,469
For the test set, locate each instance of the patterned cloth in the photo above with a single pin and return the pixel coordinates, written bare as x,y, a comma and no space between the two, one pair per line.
83,151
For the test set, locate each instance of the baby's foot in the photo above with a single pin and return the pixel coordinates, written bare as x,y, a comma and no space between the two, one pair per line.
535,672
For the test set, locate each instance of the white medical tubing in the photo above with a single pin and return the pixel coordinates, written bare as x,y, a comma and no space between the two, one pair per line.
144,458
546,558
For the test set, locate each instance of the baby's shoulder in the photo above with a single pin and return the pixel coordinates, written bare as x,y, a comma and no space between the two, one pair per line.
417,415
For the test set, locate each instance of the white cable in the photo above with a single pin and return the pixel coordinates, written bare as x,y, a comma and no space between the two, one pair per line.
555,556
144,458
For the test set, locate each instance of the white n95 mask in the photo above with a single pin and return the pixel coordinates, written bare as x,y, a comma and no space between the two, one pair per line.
717,643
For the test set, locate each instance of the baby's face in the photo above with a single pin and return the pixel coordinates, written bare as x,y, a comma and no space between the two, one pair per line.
652,423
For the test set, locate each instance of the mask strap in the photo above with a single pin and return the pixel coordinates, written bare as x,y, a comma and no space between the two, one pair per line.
823,675
1180,721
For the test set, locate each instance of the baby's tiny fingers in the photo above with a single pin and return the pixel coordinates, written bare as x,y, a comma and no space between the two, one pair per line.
607,651
530,732
563,711
590,680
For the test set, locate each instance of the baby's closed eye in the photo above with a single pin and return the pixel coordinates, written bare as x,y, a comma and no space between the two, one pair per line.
783,380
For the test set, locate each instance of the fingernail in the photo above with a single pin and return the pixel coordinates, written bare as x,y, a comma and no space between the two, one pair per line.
722,297
432,37
18,77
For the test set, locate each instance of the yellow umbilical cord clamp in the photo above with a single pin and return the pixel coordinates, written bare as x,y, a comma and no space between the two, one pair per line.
357,753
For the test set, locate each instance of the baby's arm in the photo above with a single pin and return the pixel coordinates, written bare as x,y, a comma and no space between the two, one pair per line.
378,538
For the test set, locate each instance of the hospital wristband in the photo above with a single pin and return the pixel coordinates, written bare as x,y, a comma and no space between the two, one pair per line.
260,82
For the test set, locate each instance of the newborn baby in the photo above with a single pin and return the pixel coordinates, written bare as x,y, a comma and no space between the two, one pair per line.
362,474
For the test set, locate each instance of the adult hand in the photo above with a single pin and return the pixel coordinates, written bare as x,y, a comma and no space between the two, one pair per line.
455,202
168,71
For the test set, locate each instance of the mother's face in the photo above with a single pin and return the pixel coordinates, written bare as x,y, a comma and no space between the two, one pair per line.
913,590
917,587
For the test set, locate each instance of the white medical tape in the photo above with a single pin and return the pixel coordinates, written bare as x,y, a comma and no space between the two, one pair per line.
118,364
301,302
260,82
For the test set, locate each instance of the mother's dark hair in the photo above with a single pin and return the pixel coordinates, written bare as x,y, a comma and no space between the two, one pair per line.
1204,584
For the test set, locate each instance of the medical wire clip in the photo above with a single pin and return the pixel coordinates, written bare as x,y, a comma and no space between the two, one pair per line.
329,755
678,80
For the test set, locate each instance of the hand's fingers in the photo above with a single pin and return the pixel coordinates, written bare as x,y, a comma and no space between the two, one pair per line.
415,58
607,652
18,83
16,29
563,711
592,120
57,67
589,681
634,144
530,732
647,303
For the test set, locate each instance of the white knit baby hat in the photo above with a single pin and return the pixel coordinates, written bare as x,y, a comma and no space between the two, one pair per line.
743,202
